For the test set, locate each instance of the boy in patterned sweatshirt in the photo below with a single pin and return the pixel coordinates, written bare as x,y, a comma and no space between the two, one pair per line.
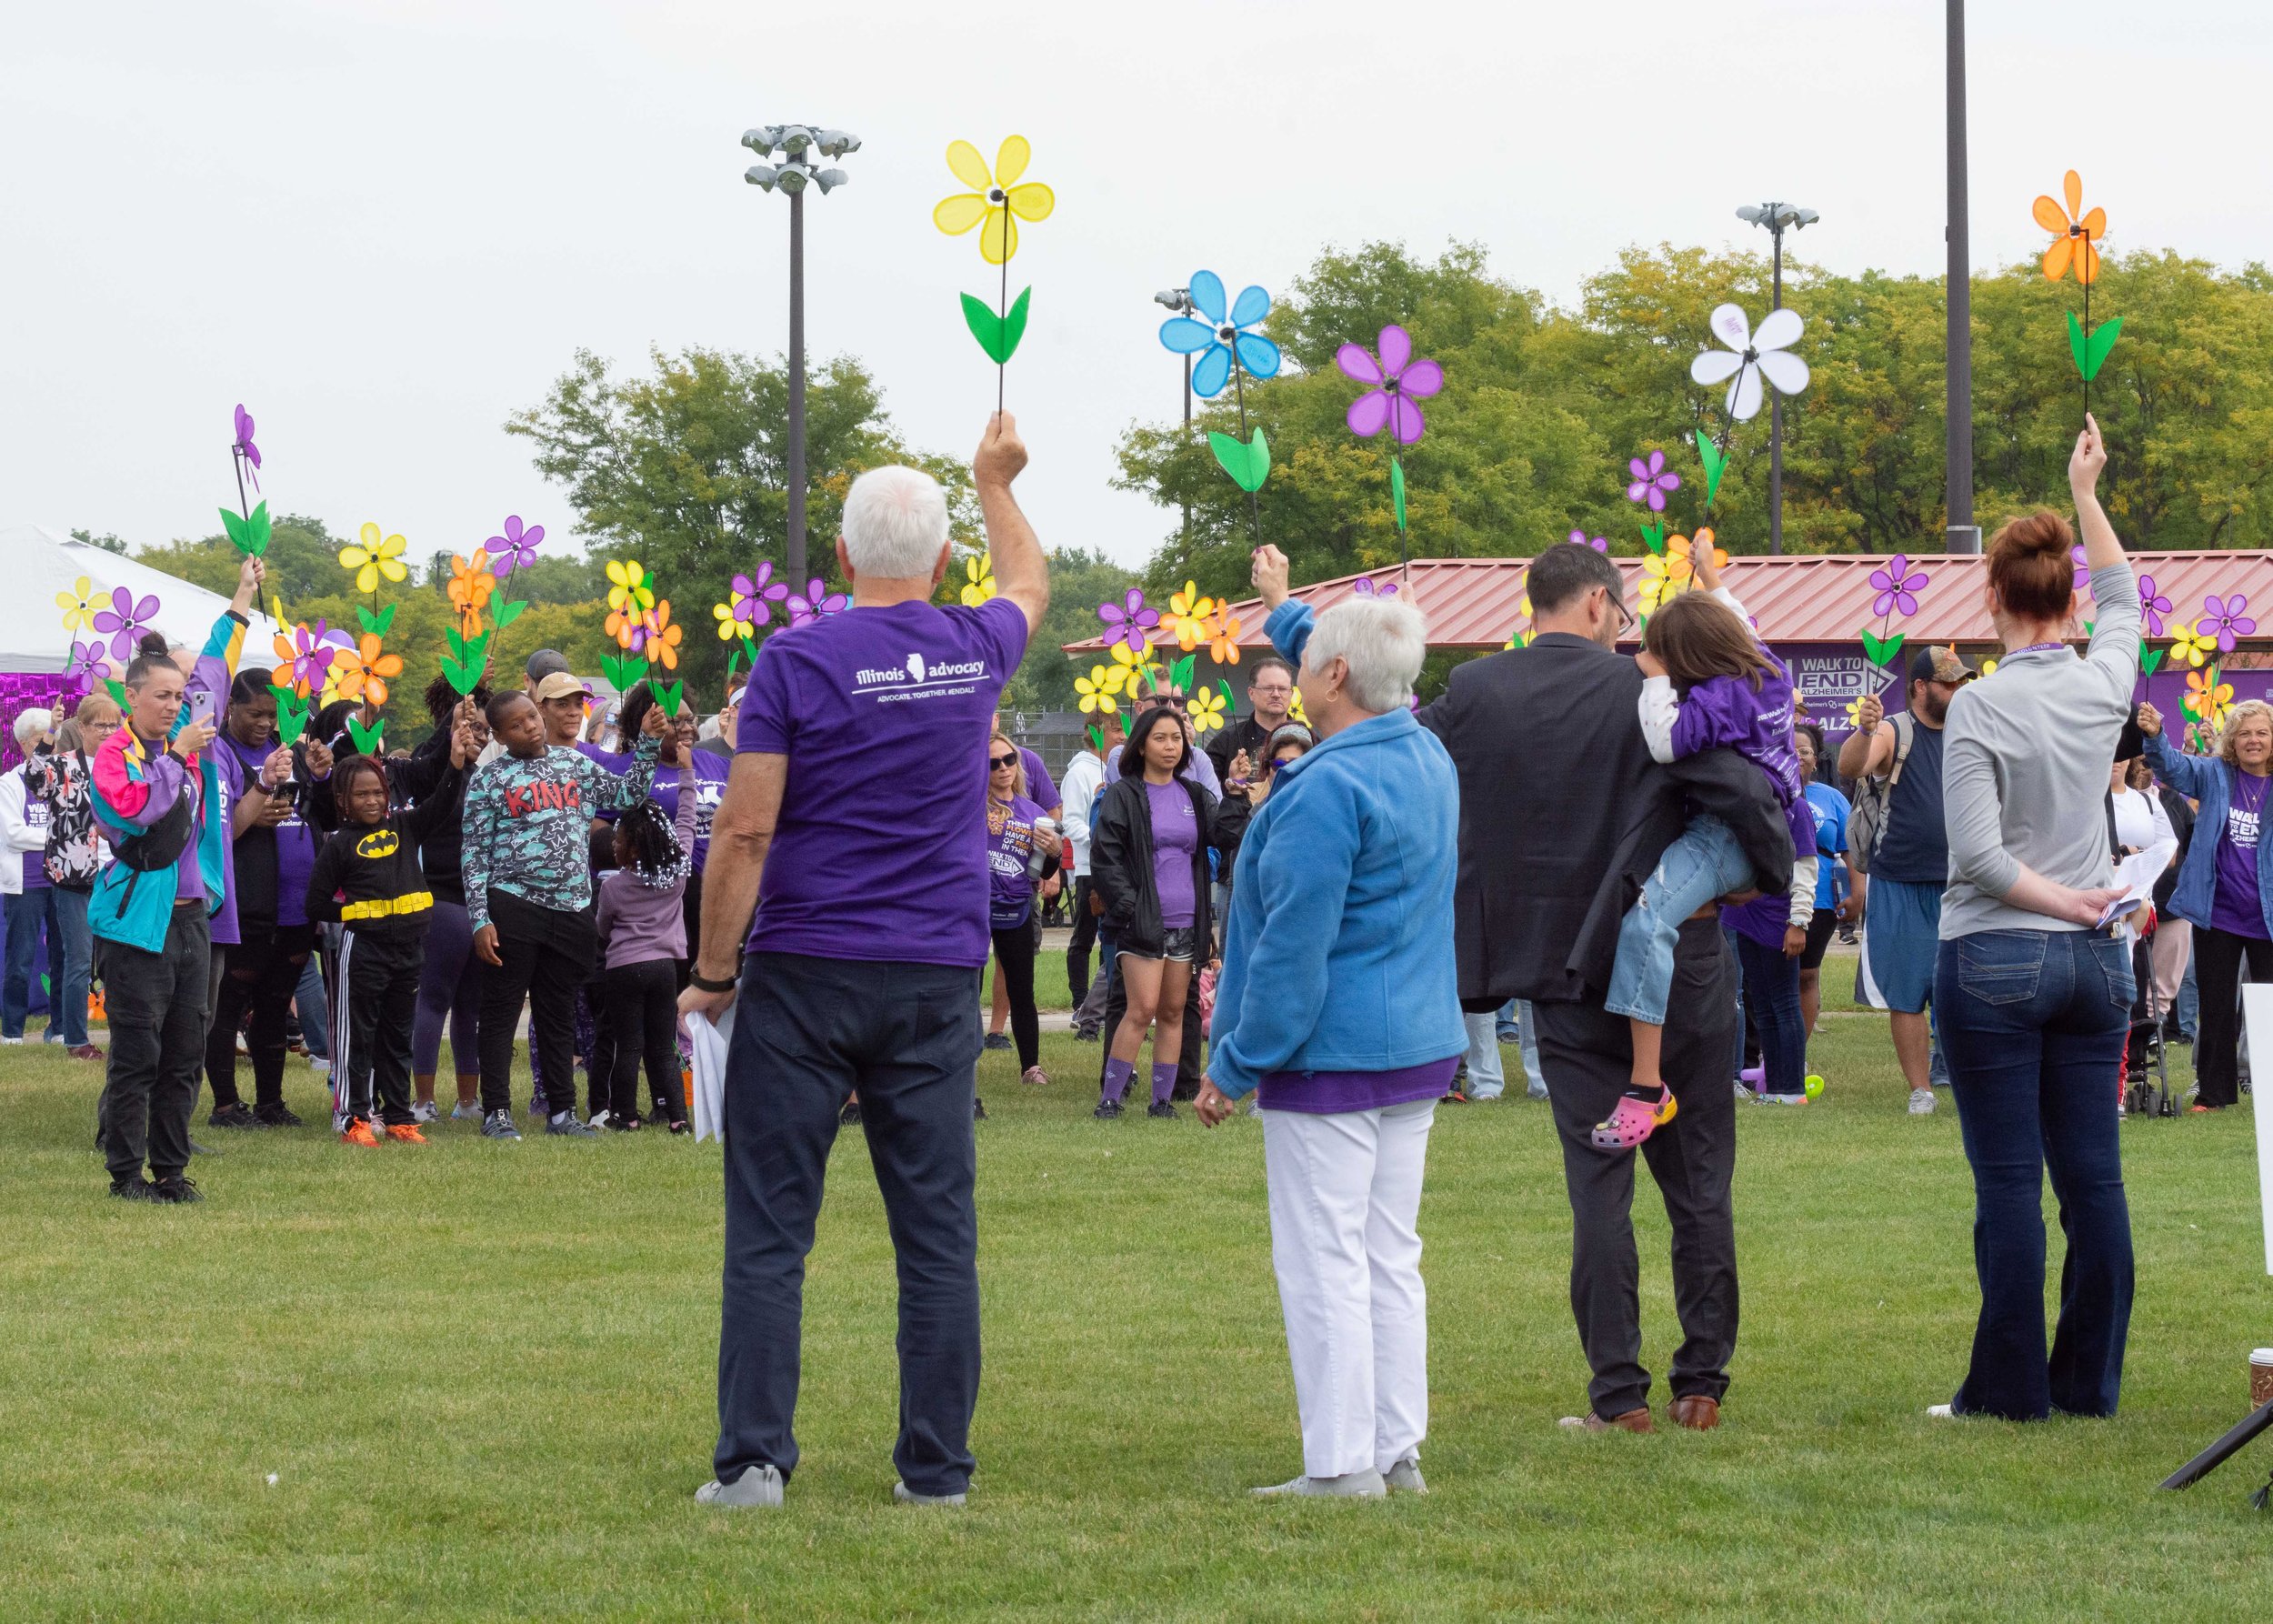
528,892
369,876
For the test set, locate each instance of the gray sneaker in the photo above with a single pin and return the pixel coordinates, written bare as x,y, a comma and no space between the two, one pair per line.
425,1111
1358,1485
1921,1102
757,1485
465,1111
567,1127
498,1125
1405,1478
908,1497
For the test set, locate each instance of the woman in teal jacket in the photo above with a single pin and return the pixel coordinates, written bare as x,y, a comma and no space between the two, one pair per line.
1338,1008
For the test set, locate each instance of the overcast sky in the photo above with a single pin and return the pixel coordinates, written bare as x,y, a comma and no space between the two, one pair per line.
384,225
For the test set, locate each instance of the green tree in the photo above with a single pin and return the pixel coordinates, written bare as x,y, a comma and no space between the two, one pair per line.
302,561
108,542
686,470
1079,581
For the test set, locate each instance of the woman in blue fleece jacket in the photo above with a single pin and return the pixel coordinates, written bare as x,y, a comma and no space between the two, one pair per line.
1338,1008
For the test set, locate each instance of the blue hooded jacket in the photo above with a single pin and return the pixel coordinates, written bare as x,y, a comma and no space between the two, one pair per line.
2209,781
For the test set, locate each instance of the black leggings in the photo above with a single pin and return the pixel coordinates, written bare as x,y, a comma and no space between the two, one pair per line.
2217,956
261,973
643,1013
1014,961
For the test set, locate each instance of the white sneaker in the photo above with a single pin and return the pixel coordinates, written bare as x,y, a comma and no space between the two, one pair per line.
425,1110
320,1066
13,1042
906,1495
1405,1478
1921,1102
1783,1099
758,1486
1358,1485
1942,1412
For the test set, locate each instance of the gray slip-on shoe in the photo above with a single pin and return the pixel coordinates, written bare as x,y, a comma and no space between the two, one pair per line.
1405,1478
1355,1486
908,1497
757,1485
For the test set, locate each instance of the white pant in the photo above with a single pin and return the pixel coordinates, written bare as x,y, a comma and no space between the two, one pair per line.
1345,1192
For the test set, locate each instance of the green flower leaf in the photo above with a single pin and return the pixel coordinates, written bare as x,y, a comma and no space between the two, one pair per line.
2076,343
1248,464
1097,738
1715,459
379,624
507,613
240,530
1654,537
1014,324
668,695
2149,659
261,530
1230,704
368,739
1180,673
1397,489
998,335
117,690
292,713
1881,650
2096,345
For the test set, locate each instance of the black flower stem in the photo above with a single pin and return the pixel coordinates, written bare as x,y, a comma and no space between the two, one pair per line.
1002,302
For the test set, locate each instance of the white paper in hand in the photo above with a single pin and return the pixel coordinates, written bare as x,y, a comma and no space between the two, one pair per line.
708,1043
2136,875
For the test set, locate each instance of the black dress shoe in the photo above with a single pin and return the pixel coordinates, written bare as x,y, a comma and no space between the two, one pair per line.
176,1191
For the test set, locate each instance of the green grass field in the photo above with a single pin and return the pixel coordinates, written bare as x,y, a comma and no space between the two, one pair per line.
474,1381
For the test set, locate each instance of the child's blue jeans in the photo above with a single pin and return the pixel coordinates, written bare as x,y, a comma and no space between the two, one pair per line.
1706,862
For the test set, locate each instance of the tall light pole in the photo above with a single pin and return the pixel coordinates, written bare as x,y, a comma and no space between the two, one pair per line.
1964,535
791,177
1179,301
1777,218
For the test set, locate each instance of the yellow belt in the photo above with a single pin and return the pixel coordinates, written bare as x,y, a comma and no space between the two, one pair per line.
417,902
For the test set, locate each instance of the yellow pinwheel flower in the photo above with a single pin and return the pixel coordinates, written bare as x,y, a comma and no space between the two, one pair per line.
2188,643
79,606
628,586
993,198
1206,709
1187,616
1855,712
377,555
1294,710
1126,666
728,627
1097,690
979,584
1663,577
1988,667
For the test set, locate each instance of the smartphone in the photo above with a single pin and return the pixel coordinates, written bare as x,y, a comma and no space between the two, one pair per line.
201,706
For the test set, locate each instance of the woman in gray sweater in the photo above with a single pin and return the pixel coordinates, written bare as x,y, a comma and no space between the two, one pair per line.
2032,990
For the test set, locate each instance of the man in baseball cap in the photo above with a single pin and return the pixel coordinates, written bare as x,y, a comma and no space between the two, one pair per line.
543,663
561,699
1940,663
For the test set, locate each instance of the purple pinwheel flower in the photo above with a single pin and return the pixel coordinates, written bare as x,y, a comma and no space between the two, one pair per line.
244,445
1129,622
1897,585
1363,588
753,598
816,601
2224,621
1581,539
2083,570
312,655
1652,481
516,549
86,659
2152,606
125,620
1399,381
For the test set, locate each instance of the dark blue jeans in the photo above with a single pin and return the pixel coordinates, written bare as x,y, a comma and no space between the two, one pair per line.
807,1032
26,914
2033,1021
1771,997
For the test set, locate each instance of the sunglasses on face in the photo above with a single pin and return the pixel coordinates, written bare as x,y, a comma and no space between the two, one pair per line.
1000,762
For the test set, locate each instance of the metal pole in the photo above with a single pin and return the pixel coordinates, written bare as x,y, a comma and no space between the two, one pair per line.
1776,422
1964,535
1187,435
796,391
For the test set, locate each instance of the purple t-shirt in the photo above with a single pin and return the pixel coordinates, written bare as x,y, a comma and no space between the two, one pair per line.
1328,1093
1039,787
1175,840
880,849
1011,889
2237,908
36,816
710,788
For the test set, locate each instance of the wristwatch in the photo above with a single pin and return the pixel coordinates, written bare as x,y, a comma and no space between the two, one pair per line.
696,979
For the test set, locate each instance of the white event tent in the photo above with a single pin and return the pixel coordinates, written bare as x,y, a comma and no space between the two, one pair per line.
35,565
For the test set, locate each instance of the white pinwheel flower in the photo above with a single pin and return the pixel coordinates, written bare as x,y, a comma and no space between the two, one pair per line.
1750,354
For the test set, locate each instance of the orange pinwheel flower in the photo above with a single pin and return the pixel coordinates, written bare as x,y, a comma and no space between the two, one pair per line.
363,675
663,637
471,583
2074,234
1222,628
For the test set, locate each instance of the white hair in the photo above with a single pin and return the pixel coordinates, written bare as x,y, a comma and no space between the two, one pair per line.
1384,640
896,521
30,724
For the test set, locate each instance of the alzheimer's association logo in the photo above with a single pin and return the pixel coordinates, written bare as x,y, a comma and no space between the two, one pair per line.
916,667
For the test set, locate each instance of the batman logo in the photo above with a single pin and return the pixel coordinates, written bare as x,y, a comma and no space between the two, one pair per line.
385,843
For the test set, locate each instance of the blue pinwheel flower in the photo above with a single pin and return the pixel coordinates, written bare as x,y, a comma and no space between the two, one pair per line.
1215,339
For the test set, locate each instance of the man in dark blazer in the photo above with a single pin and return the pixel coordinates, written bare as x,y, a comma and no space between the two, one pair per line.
1563,815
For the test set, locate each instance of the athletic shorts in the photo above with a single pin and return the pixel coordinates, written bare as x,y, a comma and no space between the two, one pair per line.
1901,942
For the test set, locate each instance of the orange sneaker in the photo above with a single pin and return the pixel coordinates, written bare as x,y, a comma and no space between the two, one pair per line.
404,1133
358,1132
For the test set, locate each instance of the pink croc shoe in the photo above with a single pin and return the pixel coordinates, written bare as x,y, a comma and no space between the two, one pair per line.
1634,1120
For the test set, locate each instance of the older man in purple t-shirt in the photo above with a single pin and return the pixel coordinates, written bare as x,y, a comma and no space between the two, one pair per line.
852,827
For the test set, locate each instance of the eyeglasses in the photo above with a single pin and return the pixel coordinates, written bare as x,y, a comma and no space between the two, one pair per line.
1000,762
1625,615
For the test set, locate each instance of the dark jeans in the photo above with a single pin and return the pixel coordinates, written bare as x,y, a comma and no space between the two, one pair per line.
807,1032
1085,937
1771,998
547,955
260,973
1014,962
2217,956
26,913
643,1016
67,1014
371,1029
2032,1021
1586,1056
156,1003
